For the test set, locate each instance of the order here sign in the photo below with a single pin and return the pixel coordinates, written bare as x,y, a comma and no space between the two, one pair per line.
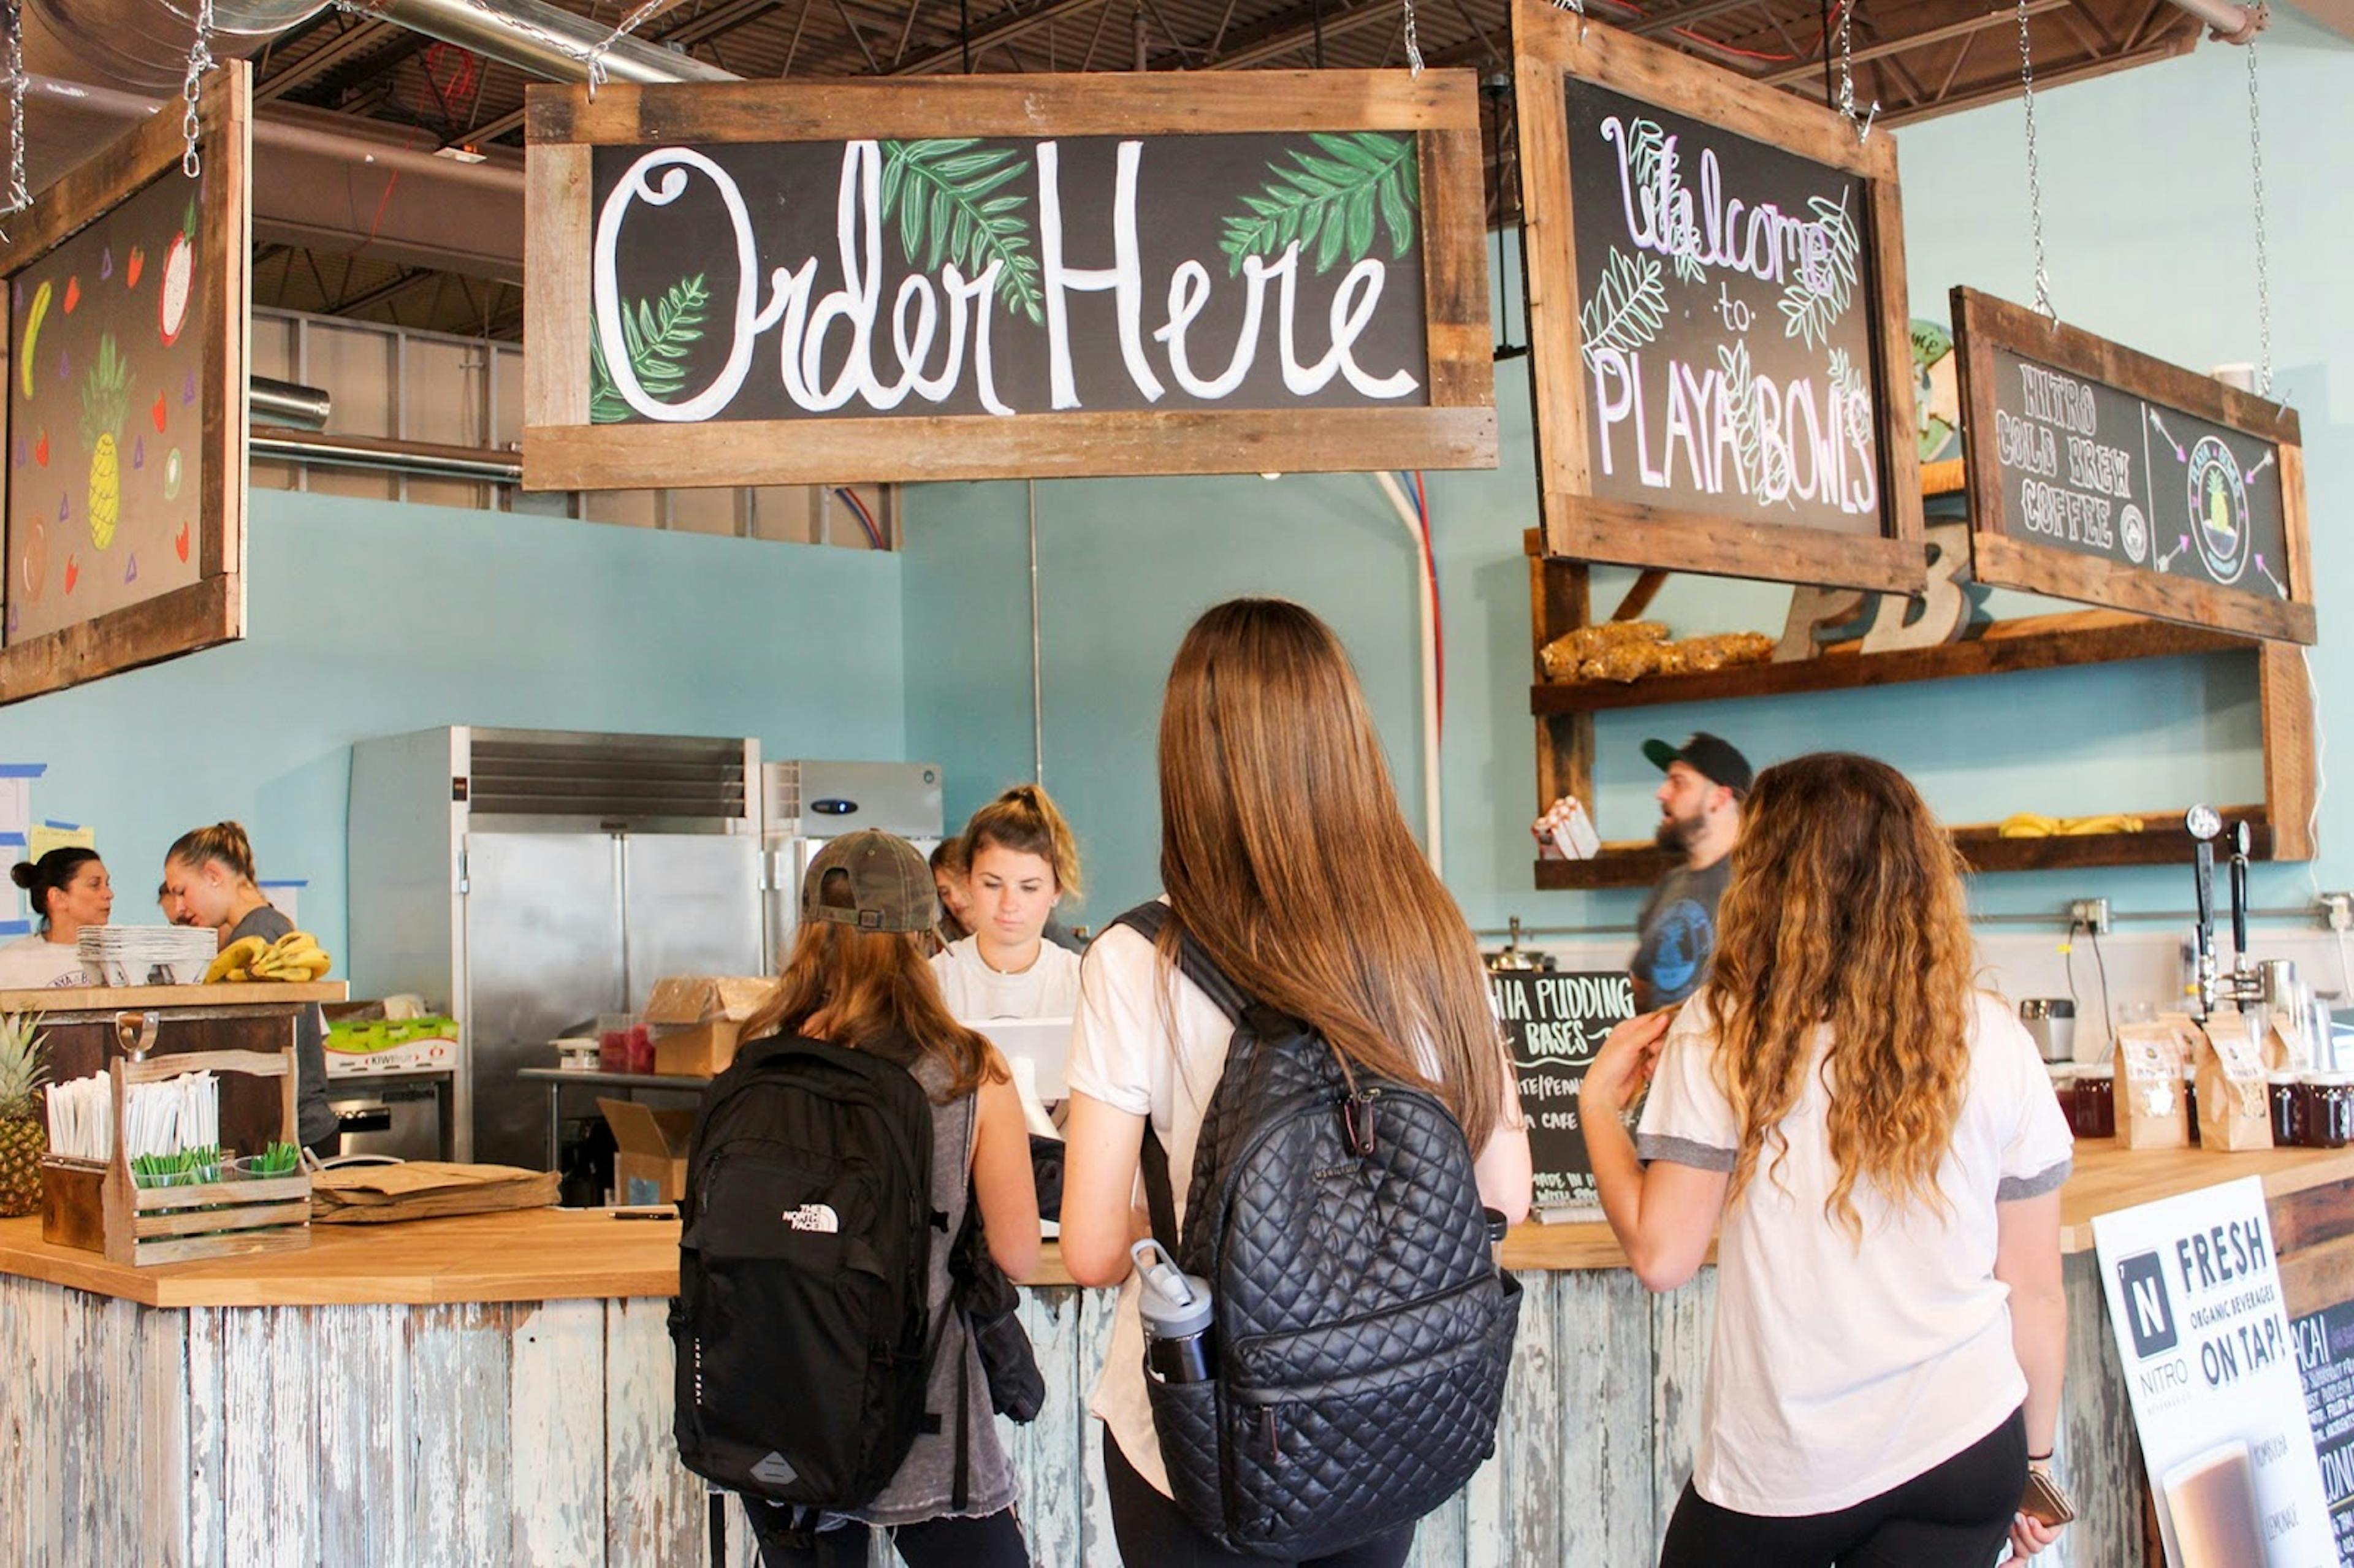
2194,1296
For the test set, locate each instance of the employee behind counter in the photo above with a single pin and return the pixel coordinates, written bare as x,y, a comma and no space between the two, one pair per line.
209,880
68,889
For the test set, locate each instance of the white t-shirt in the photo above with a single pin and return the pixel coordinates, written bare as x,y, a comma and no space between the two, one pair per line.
976,993
1122,1056
36,963
1838,1372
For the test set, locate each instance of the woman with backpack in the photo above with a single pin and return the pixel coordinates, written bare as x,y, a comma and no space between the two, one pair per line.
1881,1145
1286,862
857,979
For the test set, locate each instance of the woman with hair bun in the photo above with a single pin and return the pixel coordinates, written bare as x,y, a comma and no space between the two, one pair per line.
1021,860
209,880
68,889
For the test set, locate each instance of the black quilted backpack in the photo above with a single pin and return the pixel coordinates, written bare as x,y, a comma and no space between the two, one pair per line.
1362,1328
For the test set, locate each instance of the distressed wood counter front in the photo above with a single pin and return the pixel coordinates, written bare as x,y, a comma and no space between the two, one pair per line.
498,1390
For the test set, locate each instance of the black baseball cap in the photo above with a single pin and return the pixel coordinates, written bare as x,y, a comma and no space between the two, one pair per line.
1710,756
873,880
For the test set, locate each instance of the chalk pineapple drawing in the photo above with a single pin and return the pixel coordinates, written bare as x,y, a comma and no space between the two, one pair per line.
1628,305
943,194
1370,180
1658,169
1813,301
105,398
658,334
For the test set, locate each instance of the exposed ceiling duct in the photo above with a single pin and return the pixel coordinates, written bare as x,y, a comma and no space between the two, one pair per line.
322,182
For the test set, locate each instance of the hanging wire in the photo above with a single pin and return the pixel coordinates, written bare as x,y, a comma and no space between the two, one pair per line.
1413,43
1579,7
2034,172
2264,255
1847,109
18,196
192,88
593,58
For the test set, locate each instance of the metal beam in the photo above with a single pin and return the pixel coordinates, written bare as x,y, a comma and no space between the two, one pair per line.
990,37
2006,17
354,40
1282,35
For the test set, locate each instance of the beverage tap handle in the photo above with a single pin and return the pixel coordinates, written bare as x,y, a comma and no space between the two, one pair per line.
2240,896
2203,879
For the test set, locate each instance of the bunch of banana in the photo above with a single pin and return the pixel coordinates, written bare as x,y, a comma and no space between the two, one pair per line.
296,956
2035,825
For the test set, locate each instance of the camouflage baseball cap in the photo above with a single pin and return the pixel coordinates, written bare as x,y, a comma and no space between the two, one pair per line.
873,880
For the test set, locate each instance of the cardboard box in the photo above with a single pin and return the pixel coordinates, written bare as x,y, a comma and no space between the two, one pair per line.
698,1020
649,1163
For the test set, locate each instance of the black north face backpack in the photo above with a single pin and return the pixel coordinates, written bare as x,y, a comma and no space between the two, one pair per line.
802,1327
1362,1330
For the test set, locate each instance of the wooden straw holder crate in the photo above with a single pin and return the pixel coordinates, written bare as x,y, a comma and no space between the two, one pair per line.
98,1207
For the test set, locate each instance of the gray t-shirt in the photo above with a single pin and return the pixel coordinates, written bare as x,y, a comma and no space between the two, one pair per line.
314,1116
1678,933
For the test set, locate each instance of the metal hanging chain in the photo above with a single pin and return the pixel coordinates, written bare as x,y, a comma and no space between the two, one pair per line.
1413,43
19,197
192,89
2034,171
1577,6
2264,255
595,57
1847,77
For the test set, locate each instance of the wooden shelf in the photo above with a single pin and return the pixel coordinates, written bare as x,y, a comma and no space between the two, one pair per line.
62,1000
2162,843
2031,642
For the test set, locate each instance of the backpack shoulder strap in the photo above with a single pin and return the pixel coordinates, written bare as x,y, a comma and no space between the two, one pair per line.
1193,960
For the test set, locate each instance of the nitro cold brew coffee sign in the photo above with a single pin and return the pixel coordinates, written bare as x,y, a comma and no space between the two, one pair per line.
2194,1297
1556,1024
2099,473
1098,293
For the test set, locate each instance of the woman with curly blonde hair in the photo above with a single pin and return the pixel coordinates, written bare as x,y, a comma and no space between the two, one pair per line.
1881,1144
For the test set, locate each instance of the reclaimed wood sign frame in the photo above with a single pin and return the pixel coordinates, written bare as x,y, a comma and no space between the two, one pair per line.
2034,430
812,419
1805,475
146,452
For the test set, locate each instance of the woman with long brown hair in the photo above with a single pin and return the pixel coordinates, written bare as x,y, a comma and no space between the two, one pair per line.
1283,855
1883,1146
857,978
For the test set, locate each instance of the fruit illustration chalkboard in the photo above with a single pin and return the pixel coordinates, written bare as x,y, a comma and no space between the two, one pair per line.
103,416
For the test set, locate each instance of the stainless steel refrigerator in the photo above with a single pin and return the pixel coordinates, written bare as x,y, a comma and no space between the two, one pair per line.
530,880
807,802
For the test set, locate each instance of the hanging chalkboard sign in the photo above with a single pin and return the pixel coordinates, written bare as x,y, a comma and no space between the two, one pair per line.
1556,1024
2099,473
2325,1363
1722,369
758,283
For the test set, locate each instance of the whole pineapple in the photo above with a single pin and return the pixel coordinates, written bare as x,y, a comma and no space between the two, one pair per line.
23,1067
105,399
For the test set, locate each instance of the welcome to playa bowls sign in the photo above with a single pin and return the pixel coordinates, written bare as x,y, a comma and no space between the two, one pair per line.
763,283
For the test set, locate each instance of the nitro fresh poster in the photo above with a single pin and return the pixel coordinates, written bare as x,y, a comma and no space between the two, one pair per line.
2211,1368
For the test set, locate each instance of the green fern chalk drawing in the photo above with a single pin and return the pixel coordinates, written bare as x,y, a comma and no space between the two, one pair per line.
1764,465
1368,180
1810,308
943,194
1847,381
658,334
1627,308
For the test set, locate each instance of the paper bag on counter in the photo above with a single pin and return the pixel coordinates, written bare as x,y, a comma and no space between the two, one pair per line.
2150,1112
2234,1108
424,1190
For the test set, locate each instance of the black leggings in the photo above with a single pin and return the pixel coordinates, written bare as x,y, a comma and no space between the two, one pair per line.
1956,1515
1153,1532
994,1542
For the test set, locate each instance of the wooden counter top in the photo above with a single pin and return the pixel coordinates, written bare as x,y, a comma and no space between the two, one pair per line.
545,1255
138,998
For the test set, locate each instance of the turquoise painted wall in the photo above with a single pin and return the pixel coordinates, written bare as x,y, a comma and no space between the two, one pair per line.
2152,250
371,619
